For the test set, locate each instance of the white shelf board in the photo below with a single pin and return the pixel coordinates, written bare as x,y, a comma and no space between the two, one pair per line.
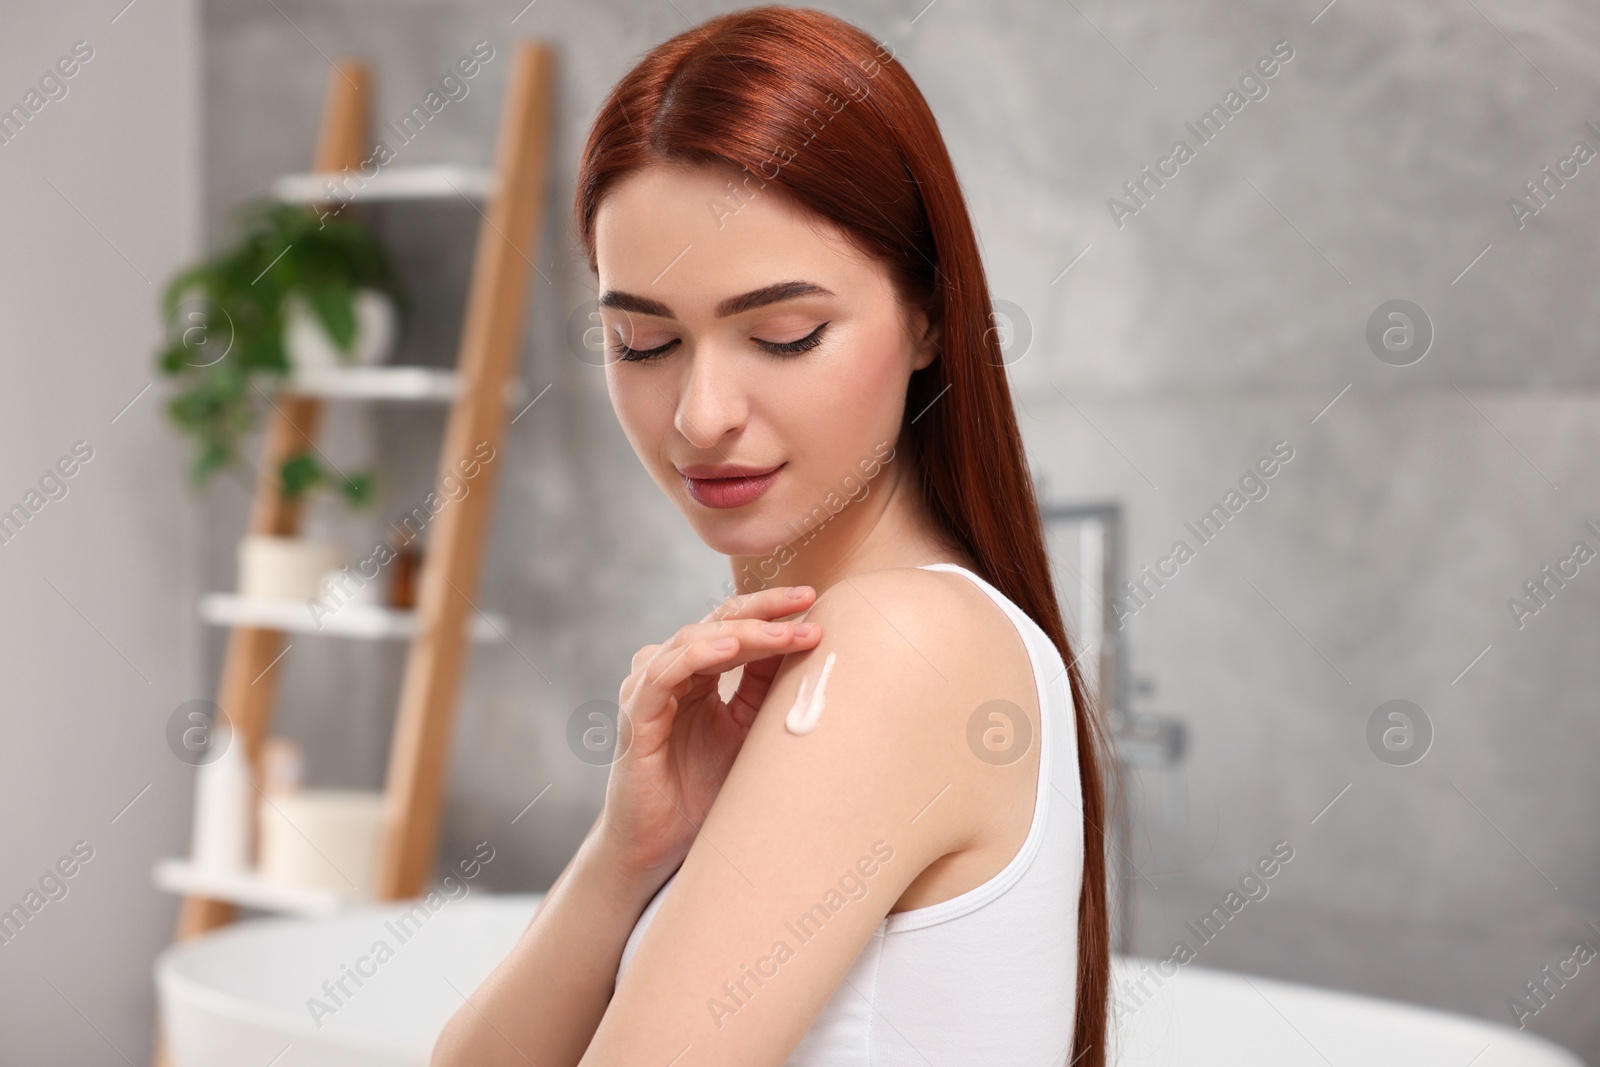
377,383
389,383
371,621
247,888
441,181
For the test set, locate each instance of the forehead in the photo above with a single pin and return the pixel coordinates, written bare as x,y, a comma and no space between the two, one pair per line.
687,236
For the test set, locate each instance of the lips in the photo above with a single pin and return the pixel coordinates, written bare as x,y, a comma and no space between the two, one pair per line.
727,485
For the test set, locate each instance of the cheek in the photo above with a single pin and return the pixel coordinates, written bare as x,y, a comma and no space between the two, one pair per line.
836,414
869,388
640,410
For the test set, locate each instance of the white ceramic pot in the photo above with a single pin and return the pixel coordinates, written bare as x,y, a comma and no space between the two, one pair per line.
309,347
322,839
284,568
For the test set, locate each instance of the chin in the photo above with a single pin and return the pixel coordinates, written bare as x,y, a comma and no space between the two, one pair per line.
748,535
756,529
753,530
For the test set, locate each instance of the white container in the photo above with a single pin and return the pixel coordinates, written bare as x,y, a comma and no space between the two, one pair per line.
283,766
322,839
284,568
309,347
222,823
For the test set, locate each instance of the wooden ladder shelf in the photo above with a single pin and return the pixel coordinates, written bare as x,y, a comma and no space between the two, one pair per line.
507,243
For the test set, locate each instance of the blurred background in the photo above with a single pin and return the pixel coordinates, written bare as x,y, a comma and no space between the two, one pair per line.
1377,270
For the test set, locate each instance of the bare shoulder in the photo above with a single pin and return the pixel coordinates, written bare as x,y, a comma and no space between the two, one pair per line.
898,634
907,658
942,618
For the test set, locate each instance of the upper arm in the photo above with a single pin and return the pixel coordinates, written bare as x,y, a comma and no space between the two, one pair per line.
812,838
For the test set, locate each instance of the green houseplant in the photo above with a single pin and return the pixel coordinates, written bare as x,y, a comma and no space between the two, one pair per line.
228,317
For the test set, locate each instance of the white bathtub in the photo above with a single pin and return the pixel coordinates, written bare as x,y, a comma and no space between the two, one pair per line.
239,996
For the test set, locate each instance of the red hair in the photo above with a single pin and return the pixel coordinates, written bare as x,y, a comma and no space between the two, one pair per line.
809,103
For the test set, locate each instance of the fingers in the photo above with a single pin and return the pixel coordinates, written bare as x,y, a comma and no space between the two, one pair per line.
764,604
744,620
754,684
753,633
712,648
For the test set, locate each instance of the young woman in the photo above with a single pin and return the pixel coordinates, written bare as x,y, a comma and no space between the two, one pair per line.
855,815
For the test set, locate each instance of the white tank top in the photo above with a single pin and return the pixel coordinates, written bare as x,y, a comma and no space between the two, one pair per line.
989,976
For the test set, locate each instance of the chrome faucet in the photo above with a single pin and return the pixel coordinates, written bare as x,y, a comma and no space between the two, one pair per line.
1142,740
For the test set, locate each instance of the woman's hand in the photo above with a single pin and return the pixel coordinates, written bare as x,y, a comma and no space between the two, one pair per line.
676,736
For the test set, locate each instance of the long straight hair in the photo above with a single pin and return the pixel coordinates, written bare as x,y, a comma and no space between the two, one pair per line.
804,101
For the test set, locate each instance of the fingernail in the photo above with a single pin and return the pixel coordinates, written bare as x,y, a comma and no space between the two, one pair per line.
805,629
799,591
776,629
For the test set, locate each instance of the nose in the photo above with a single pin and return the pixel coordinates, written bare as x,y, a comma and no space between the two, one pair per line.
711,399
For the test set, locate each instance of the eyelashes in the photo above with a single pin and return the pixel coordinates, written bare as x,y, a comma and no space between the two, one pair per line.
784,348
791,348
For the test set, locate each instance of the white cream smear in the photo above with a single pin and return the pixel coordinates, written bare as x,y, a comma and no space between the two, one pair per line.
802,718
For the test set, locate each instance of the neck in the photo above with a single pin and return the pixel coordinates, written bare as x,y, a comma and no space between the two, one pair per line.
887,526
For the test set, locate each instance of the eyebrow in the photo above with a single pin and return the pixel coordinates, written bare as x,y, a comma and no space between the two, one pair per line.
733,305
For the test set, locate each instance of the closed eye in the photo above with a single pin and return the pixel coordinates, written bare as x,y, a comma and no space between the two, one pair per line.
777,348
636,355
789,348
